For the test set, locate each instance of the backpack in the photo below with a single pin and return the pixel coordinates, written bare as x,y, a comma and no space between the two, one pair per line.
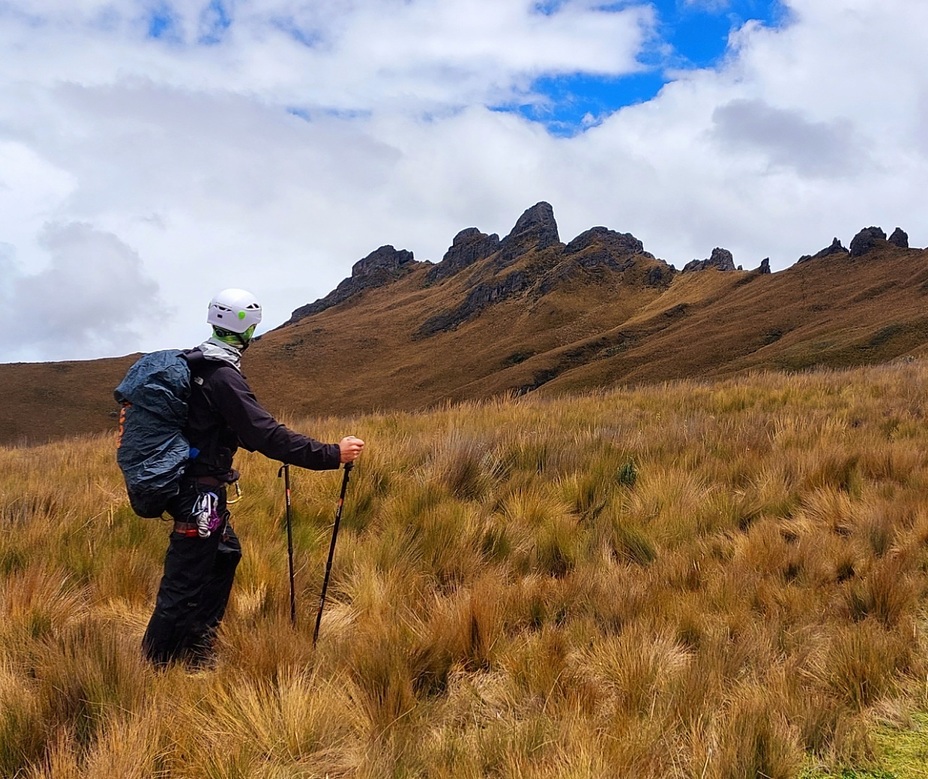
152,450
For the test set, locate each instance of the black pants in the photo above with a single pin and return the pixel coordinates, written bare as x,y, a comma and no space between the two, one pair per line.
195,587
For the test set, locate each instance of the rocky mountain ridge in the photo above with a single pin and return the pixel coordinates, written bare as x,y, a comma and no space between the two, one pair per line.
530,313
537,231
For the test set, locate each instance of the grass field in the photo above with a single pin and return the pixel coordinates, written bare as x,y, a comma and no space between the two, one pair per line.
699,580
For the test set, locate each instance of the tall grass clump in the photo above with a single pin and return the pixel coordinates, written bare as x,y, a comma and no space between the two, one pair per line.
22,721
699,579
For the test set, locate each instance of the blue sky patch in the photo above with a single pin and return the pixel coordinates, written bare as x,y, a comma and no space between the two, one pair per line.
572,103
690,34
288,26
698,30
547,7
162,25
309,115
214,21
301,113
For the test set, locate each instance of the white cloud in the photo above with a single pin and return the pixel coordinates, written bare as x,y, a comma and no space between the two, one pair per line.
785,138
304,135
93,295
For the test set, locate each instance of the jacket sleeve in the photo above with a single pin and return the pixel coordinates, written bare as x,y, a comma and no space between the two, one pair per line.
257,430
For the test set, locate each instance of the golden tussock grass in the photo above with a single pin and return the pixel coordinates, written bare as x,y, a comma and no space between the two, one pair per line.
710,580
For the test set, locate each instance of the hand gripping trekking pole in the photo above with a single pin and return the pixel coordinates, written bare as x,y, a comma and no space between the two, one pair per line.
285,470
328,564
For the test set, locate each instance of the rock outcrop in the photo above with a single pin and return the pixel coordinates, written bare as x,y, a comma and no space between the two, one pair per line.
531,261
535,230
601,250
380,267
867,240
545,264
899,238
864,242
835,248
477,300
601,246
720,259
468,247
660,275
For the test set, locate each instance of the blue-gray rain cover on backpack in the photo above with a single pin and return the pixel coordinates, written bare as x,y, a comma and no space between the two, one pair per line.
152,449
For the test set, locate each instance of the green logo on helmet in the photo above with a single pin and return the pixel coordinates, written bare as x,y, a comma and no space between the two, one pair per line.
242,314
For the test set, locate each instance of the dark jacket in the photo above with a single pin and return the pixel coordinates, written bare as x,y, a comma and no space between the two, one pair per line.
224,414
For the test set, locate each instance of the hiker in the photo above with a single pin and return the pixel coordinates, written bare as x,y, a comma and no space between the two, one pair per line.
223,414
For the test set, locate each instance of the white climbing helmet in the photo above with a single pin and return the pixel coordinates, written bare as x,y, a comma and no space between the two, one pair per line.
234,310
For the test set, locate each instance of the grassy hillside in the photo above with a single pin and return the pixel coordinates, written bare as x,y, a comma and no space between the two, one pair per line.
548,322
699,579
46,401
595,331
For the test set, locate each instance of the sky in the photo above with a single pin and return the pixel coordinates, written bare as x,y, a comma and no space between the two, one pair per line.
154,152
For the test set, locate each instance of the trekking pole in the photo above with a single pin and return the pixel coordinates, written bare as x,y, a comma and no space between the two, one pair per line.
328,564
285,470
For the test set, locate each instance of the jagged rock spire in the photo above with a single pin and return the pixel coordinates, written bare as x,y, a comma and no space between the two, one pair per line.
469,246
721,259
535,230
380,267
899,238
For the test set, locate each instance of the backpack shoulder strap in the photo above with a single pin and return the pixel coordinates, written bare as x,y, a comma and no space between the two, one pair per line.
195,360
193,356
201,367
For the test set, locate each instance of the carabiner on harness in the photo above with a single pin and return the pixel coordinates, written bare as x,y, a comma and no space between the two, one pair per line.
238,494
